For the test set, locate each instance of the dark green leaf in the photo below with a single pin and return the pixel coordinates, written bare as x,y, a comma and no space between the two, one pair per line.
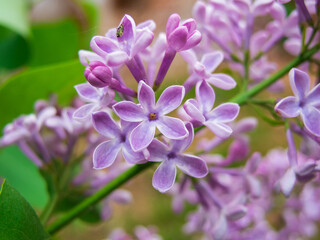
23,175
18,94
17,218
14,49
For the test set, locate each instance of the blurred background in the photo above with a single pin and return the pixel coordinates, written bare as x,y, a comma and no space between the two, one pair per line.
39,44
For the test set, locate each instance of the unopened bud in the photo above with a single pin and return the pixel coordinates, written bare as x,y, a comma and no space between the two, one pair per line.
98,74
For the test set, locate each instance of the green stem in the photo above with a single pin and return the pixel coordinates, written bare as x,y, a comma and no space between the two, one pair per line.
45,215
243,97
246,65
95,198
135,170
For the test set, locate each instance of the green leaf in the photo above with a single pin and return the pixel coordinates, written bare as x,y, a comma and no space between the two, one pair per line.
21,92
54,42
14,15
23,175
17,218
14,33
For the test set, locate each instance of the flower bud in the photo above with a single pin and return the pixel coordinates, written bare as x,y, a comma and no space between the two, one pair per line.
98,74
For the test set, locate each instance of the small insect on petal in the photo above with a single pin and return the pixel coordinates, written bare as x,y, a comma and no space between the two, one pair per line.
120,31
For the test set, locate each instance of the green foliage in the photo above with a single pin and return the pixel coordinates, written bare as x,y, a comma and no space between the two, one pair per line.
23,175
17,218
21,92
14,33
54,42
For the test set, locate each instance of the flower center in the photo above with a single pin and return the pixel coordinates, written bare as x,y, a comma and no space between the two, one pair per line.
153,116
123,138
120,31
171,155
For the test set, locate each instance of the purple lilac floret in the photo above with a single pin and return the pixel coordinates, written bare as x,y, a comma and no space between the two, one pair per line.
173,156
98,99
106,153
180,37
201,112
305,102
152,115
202,70
122,45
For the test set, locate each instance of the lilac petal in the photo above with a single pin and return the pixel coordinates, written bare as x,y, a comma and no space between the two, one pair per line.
164,177
172,128
158,151
293,46
105,154
287,182
170,99
193,111
288,107
87,92
212,60
225,112
205,96
313,97
190,24
220,228
121,196
178,38
128,34
105,125
236,212
146,96
13,136
311,119
132,157
83,113
142,136
219,129
86,57
172,24
222,81
192,40
129,111
262,7
191,165
116,58
189,56
253,162
300,82
142,42
180,146
246,125
199,11
149,24
306,168
254,186
103,45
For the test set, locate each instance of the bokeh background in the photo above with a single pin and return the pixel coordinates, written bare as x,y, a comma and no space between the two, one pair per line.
39,44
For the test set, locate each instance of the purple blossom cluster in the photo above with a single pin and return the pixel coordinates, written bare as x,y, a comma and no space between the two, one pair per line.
238,194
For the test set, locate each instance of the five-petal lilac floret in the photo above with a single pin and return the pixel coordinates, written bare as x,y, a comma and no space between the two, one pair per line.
173,156
200,111
105,154
151,115
305,103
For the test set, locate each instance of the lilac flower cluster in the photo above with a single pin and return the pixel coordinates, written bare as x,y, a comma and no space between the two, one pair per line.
241,194
127,45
